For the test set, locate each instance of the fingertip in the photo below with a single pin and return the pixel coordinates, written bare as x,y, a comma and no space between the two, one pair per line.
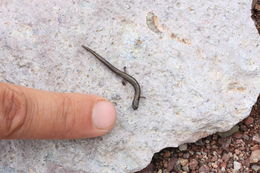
104,116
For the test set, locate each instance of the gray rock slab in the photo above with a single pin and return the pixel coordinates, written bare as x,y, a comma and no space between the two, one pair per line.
197,63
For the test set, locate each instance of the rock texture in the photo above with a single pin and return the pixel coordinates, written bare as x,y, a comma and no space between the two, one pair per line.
197,63
237,152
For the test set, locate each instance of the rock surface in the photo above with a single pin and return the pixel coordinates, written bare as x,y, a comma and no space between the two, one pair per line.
210,155
196,62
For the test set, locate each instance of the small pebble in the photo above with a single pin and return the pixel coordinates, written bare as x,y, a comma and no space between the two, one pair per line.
256,168
243,128
226,157
193,164
255,147
255,156
246,137
256,138
199,142
249,121
165,164
204,169
235,157
183,162
186,168
237,151
223,169
186,155
171,164
241,156
229,165
177,167
238,135
180,154
214,158
223,165
198,153
183,147
219,151
167,154
237,166
214,165
191,152
213,142
224,143
214,146
247,162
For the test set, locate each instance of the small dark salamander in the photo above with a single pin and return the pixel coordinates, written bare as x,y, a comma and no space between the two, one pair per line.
124,75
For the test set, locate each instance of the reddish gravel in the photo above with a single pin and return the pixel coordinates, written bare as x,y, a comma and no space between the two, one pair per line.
237,150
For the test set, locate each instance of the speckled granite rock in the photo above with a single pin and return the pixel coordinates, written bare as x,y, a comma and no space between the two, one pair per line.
196,62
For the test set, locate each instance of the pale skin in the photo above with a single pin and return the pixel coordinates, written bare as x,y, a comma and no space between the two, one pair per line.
27,113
